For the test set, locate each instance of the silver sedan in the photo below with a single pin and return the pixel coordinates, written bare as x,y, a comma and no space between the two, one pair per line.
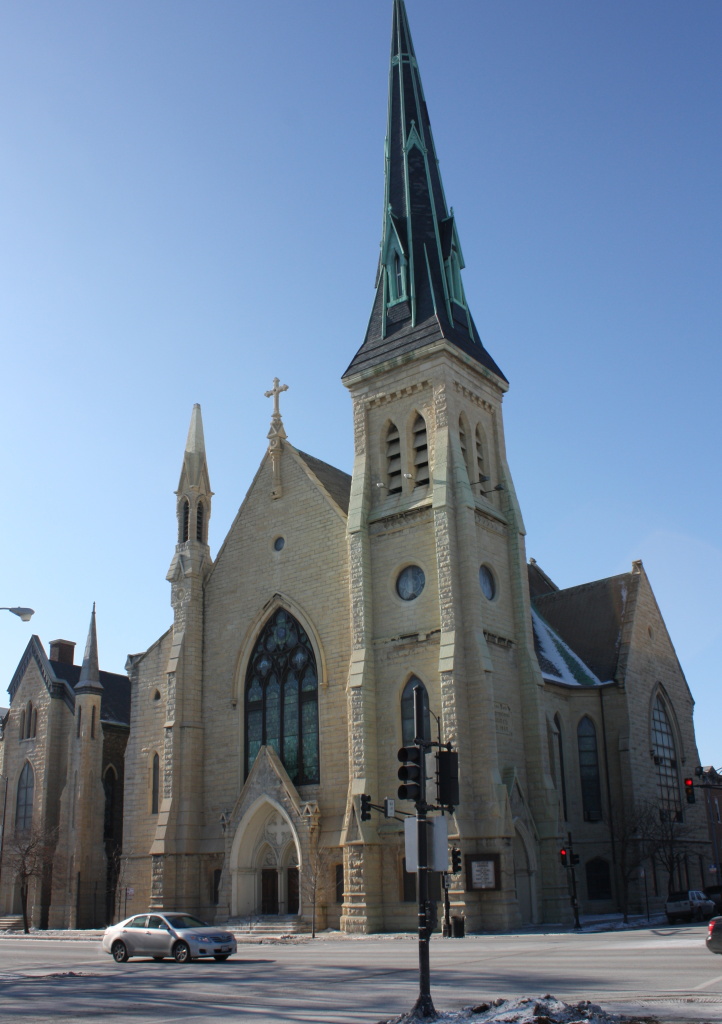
160,935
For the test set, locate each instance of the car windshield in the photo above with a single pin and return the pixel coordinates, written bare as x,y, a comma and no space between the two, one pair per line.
185,921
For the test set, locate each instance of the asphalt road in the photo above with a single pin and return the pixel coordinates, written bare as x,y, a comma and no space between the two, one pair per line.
667,972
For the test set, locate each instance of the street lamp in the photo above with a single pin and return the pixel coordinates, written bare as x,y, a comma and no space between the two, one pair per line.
25,614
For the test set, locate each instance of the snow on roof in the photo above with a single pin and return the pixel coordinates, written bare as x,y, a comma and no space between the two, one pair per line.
557,661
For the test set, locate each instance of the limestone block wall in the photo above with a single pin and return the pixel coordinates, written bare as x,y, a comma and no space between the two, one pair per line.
148,709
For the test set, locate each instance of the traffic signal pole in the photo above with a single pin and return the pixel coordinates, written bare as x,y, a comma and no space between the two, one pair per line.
424,1006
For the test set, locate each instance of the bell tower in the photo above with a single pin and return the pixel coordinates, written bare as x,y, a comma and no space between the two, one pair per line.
436,538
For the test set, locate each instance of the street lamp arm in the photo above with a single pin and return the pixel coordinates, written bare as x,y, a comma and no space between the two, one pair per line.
25,614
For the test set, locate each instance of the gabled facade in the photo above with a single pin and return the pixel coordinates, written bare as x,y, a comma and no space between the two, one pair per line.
62,753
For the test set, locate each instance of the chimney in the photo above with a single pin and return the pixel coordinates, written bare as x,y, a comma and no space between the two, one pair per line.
62,651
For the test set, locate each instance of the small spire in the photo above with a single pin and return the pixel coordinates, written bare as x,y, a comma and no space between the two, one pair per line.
90,672
196,441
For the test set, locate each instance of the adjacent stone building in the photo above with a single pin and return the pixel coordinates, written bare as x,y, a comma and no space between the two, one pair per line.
284,686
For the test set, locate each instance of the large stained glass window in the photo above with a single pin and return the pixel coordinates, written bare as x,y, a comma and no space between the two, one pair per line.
282,698
665,758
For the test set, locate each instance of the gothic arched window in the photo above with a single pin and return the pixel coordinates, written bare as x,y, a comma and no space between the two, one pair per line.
560,750
200,521
110,780
155,785
421,452
393,459
408,731
185,518
24,806
665,759
589,770
480,463
282,698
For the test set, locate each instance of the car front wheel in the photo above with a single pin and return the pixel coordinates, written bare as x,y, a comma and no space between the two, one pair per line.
181,952
120,952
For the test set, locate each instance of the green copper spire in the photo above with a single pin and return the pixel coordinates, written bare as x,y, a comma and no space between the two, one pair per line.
420,298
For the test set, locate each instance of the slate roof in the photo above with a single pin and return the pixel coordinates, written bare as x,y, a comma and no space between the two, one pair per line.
420,219
336,482
115,700
589,619
557,661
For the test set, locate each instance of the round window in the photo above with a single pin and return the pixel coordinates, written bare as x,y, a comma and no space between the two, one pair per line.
410,582
278,543
487,583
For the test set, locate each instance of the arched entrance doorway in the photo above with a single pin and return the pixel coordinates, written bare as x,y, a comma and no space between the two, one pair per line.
524,872
265,863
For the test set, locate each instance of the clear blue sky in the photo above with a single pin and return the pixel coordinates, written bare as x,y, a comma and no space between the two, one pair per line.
191,205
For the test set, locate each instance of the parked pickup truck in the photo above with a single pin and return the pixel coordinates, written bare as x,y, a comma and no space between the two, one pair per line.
689,905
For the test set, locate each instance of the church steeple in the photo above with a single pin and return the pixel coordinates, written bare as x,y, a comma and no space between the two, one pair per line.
420,298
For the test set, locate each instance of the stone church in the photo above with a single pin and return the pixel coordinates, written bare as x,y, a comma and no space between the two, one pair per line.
284,685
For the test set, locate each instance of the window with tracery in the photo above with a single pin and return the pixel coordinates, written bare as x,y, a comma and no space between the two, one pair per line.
589,770
665,759
421,452
282,698
24,805
408,731
560,751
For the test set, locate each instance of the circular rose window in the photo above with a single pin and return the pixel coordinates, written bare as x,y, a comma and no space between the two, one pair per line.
410,582
487,583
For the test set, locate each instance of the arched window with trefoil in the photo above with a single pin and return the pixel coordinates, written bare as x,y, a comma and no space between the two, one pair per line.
282,698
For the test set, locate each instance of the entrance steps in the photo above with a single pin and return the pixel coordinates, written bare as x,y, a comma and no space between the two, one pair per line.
12,923
269,924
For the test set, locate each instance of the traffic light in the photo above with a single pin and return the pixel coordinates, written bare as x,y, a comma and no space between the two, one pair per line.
410,773
448,764
574,859
689,790
455,860
365,807
564,857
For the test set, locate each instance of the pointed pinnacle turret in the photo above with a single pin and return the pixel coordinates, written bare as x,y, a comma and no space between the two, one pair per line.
420,298
90,672
196,441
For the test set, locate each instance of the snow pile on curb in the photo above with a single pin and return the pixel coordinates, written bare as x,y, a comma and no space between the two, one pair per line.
528,1010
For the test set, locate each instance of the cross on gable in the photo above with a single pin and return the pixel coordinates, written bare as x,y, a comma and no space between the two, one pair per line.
275,393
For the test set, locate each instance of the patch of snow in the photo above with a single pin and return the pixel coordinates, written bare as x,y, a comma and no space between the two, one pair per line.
570,668
527,1010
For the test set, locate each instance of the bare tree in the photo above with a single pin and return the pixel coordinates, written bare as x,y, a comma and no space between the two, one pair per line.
315,877
635,841
29,856
672,842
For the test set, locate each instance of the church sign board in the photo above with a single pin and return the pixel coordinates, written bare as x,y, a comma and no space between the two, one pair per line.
482,871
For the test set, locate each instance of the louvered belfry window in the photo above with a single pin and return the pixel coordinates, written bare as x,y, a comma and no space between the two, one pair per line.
282,698
393,459
480,456
421,453
200,521
185,520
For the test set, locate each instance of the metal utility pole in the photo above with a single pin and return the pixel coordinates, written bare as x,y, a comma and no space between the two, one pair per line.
574,858
424,1006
